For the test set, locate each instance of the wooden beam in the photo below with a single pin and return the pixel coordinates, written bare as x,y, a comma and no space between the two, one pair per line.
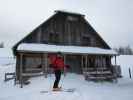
101,64
32,55
101,61
21,70
69,33
17,69
115,61
86,59
82,65
43,64
46,65
39,35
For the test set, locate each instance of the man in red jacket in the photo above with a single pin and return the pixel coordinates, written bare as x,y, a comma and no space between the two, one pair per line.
57,63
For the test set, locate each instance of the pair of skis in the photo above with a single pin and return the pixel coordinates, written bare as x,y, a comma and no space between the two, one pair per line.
71,90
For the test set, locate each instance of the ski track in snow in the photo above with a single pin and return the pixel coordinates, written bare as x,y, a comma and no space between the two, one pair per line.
36,95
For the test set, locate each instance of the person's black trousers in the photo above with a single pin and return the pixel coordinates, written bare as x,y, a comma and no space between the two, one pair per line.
57,78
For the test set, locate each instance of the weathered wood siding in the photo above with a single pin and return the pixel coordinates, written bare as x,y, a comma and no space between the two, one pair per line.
69,30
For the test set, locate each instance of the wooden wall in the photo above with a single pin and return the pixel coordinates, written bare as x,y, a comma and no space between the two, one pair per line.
69,30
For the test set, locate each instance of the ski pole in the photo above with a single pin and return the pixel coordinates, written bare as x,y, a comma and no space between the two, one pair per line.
62,80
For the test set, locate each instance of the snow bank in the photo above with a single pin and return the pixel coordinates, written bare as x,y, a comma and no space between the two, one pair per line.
6,56
6,52
123,90
125,61
7,61
84,90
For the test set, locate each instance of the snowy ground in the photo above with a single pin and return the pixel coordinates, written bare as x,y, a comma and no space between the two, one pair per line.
123,90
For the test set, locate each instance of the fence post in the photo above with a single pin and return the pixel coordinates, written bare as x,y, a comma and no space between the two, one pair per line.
130,73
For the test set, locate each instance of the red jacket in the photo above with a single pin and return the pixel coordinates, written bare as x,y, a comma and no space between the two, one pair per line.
58,64
52,58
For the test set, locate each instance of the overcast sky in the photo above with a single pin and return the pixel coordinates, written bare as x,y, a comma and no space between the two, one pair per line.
112,19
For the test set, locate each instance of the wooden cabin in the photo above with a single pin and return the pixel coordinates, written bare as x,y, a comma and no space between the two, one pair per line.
65,29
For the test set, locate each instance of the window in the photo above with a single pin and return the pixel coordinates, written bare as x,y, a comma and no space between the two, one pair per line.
86,41
31,62
54,38
72,18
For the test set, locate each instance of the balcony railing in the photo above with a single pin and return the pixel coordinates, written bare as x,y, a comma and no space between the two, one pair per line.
101,73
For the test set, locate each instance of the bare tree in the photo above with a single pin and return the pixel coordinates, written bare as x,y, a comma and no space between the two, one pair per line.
127,50
2,45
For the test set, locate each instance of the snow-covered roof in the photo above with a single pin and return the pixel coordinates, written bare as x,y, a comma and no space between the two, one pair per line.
32,47
70,12
6,52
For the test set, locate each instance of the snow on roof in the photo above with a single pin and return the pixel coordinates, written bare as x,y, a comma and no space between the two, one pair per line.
6,52
70,12
32,47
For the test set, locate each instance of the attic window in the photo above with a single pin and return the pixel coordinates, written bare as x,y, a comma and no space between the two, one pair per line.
71,18
86,41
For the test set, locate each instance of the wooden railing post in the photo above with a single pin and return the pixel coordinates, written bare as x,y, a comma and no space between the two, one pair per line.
46,62
86,60
45,65
115,60
82,67
101,65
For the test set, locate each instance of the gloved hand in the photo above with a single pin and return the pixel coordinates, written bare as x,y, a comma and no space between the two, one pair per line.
67,66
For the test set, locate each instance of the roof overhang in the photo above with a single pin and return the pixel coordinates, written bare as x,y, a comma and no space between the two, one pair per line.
46,48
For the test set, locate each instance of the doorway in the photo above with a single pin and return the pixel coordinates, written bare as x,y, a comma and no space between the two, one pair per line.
75,63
